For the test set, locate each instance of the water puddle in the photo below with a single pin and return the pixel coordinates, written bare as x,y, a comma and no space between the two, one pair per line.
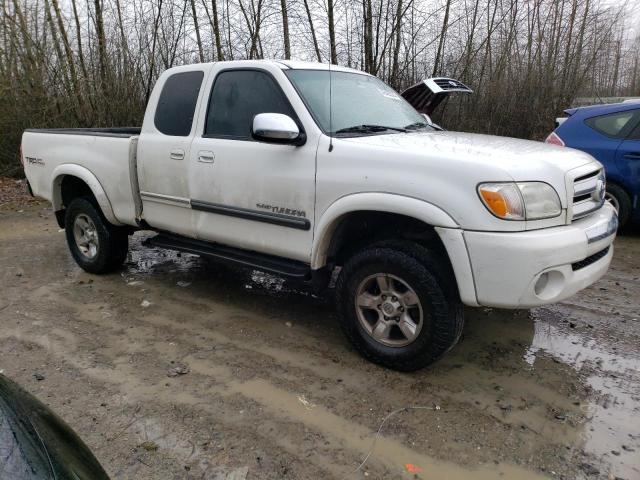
613,424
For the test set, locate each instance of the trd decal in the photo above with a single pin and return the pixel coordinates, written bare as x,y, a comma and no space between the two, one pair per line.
34,161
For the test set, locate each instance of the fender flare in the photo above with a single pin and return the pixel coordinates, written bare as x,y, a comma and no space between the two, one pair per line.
372,201
73,170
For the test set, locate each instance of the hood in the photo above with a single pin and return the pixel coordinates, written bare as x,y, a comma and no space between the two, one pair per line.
445,169
522,160
429,93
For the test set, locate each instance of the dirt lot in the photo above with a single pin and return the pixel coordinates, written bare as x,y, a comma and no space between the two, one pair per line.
273,386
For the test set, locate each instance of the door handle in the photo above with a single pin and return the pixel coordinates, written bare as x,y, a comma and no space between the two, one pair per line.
206,156
632,155
177,154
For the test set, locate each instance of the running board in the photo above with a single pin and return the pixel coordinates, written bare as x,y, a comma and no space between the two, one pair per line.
260,261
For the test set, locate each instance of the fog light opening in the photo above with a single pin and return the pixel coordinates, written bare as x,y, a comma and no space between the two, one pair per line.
549,285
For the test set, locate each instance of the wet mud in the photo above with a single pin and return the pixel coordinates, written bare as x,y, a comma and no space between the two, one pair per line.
175,367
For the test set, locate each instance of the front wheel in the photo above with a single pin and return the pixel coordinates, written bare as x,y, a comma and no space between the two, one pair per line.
620,201
96,245
399,304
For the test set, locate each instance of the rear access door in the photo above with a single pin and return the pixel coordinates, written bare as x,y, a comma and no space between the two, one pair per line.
163,150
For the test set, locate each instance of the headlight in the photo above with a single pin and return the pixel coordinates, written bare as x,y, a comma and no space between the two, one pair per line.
520,201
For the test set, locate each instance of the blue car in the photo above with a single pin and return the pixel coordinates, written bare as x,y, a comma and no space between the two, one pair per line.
611,133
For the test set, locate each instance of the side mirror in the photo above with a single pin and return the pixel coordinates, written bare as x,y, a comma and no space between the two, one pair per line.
277,128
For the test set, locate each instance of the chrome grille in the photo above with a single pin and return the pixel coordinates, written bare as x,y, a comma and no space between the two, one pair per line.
588,193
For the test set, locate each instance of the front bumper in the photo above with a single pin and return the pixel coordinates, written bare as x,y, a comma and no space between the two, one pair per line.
531,268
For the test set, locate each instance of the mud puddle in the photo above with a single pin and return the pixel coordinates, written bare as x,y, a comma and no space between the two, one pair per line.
612,414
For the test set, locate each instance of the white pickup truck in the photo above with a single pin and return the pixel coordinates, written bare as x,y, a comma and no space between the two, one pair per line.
308,172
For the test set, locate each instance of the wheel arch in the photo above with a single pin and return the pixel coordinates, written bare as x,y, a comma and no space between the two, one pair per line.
631,199
71,181
384,203
404,215
620,184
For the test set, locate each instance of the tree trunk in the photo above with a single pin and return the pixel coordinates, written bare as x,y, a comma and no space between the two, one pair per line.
123,38
443,34
367,35
216,31
102,46
313,31
285,29
68,54
83,65
332,33
153,53
395,81
197,28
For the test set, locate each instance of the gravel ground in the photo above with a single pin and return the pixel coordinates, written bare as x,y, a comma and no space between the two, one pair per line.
13,192
178,368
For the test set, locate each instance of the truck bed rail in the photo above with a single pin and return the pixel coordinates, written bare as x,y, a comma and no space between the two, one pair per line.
121,132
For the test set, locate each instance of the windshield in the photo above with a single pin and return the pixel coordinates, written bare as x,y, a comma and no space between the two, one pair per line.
361,104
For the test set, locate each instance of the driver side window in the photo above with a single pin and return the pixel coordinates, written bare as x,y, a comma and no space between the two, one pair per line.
239,95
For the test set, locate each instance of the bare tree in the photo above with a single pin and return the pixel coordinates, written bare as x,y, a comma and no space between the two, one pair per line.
332,31
94,63
197,29
285,30
215,27
316,47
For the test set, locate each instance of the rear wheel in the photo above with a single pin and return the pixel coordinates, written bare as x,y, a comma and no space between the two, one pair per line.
96,245
620,201
399,304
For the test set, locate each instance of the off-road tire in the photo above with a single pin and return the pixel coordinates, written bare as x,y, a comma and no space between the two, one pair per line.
623,200
113,242
433,281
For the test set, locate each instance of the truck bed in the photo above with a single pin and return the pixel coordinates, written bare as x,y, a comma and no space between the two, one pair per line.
105,155
122,132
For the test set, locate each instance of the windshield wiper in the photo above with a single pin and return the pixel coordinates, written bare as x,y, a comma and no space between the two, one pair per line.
416,126
369,129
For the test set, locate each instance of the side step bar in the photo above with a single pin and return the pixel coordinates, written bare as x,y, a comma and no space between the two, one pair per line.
260,261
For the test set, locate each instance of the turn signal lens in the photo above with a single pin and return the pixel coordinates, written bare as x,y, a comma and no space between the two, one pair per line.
503,200
495,202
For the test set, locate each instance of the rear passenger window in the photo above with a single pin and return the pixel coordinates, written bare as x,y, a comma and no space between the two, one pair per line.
635,135
177,103
237,97
616,125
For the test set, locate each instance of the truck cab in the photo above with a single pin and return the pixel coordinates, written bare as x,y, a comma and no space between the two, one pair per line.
317,172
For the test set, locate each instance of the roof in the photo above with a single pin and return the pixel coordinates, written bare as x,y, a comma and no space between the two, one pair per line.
604,108
301,65
283,64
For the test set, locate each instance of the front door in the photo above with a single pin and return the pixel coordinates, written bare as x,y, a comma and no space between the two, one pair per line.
254,195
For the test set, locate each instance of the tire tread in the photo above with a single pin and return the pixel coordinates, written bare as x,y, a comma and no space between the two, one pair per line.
114,241
421,262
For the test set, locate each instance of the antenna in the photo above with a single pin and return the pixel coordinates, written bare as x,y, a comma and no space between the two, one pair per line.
330,112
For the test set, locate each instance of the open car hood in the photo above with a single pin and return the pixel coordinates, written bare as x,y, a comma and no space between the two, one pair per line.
429,93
